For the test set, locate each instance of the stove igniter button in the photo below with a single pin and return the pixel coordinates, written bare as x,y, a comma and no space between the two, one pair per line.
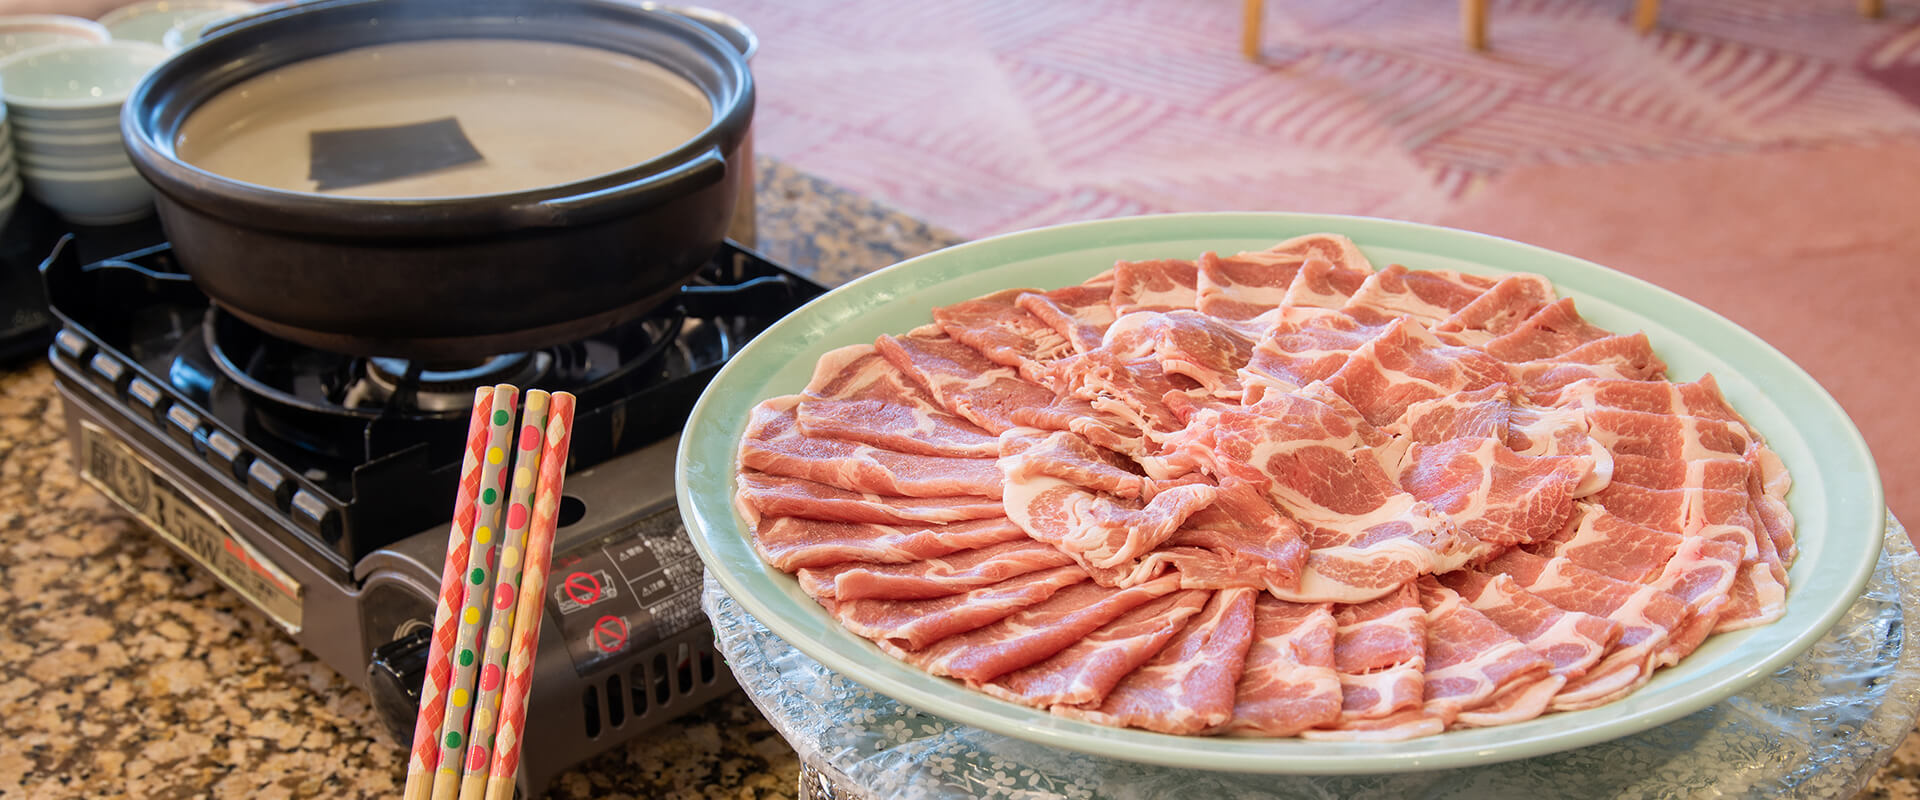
227,453
183,425
111,373
268,484
70,343
316,516
149,398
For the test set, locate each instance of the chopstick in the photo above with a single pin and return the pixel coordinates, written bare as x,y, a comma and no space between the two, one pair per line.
433,693
533,589
508,576
467,738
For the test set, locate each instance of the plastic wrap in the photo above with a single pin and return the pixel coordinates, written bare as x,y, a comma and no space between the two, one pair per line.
1818,728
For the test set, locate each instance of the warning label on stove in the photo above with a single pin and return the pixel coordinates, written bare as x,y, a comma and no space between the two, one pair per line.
626,590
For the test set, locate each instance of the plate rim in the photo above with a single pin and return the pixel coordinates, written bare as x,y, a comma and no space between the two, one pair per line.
1231,754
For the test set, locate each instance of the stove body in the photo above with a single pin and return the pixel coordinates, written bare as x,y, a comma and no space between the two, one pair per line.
292,476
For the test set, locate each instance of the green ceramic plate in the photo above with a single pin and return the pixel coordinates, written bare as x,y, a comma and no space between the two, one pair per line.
1836,494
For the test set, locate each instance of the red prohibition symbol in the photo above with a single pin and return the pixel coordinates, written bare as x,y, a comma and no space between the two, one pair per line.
582,588
609,633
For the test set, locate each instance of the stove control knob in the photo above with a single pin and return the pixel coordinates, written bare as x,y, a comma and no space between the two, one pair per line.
394,676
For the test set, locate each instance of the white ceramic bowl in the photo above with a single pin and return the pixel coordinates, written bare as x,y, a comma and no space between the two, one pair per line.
9,200
24,32
69,145
150,21
188,30
76,81
95,197
106,122
87,163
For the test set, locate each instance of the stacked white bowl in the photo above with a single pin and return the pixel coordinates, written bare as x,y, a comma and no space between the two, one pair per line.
19,34
63,102
152,20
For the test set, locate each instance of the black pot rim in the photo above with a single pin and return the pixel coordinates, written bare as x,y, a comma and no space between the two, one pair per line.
168,95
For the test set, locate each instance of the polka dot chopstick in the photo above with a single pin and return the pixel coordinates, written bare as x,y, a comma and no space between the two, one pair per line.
507,577
478,585
533,588
433,693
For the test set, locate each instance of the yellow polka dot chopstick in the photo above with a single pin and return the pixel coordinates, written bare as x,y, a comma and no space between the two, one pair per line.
446,623
478,591
493,660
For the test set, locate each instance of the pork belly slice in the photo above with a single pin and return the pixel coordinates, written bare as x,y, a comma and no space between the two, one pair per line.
1553,329
935,577
1080,314
1101,531
960,378
1322,283
773,444
794,543
1030,453
1430,296
1188,686
1098,427
780,496
1159,285
1571,641
1207,351
1656,628
1379,652
1498,311
1314,457
1240,539
1288,683
1406,364
1087,670
921,430
1004,332
1033,634
1492,493
901,625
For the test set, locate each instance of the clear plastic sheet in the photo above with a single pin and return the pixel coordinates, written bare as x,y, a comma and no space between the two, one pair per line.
1818,728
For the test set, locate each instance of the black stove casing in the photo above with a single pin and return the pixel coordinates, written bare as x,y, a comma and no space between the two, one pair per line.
624,646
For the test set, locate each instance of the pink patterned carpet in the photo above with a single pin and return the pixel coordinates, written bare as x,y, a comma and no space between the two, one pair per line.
1761,157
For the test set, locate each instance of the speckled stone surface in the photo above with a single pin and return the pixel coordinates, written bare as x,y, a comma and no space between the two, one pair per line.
125,672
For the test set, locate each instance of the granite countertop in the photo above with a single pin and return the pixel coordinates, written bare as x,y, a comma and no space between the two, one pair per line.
127,672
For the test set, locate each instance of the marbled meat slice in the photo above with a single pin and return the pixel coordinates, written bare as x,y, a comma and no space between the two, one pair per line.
1101,531
1406,364
1553,329
1081,314
1030,452
1162,285
1188,686
1430,296
1207,351
1366,536
1499,310
793,543
1288,683
964,382
1478,414
1470,658
902,625
1034,634
1242,287
1301,348
1696,569
857,396
1240,539
773,444
1380,652
1321,283
1004,332
1572,641
779,496
935,577
1492,493
1088,669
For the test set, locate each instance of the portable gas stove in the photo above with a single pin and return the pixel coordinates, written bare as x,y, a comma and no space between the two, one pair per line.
317,485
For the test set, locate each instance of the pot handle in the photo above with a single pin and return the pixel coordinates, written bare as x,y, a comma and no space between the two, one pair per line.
640,194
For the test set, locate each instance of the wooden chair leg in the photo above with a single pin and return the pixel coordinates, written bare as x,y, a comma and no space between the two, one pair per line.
1646,15
1253,11
1473,23
1871,9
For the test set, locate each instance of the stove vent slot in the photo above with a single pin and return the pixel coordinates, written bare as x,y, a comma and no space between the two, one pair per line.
591,702
616,710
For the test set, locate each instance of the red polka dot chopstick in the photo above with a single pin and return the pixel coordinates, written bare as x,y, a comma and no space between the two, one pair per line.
455,736
533,589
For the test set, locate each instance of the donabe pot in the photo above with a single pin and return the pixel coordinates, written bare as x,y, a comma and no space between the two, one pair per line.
451,277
